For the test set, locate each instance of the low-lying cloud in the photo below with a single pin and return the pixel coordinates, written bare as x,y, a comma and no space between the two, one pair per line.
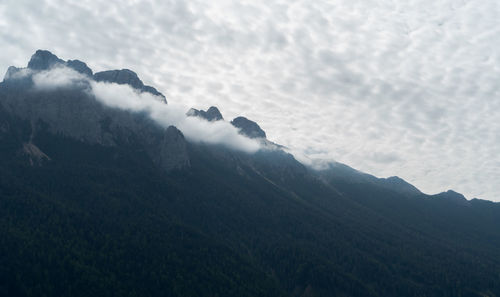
127,98
338,80
57,77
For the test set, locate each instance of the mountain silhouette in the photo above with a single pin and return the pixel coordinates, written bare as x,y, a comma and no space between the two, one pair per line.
100,201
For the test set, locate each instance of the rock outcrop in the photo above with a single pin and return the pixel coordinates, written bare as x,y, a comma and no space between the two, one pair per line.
211,114
126,77
80,67
43,60
248,128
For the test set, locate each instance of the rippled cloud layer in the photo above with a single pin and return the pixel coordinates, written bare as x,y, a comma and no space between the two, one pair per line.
406,88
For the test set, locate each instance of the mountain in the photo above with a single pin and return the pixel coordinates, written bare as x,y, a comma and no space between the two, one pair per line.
338,172
125,77
45,60
211,114
248,128
96,200
452,197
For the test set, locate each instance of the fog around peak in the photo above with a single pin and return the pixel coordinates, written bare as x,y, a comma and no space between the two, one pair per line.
125,97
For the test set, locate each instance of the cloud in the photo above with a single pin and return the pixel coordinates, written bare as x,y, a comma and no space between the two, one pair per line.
57,77
348,78
193,128
126,98
17,73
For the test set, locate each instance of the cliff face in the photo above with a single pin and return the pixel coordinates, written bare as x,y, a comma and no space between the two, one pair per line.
211,114
248,128
126,77
75,113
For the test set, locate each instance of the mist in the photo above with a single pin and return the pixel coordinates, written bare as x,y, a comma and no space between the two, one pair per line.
127,98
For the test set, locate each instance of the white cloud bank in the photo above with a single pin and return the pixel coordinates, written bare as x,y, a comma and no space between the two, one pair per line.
125,97
407,88
58,77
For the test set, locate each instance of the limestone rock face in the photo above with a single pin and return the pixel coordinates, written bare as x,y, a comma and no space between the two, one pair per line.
43,60
214,114
80,67
126,77
122,77
211,114
75,113
173,150
248,128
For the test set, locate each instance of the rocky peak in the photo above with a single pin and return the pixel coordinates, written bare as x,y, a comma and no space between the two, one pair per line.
211,114
43,60
214,114
80,67
72,113
126,77
122,77
248,128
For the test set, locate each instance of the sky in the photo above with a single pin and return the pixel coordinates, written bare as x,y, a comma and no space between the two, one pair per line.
407,88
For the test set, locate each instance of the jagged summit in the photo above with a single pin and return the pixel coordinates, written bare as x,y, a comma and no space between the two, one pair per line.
44,60
12,72
211,114
80,67
125,77
248,128
214,113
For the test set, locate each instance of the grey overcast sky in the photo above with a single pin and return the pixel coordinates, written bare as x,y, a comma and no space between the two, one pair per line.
408,88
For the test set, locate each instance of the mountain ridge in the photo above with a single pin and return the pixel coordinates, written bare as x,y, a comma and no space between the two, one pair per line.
45,60
126,207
